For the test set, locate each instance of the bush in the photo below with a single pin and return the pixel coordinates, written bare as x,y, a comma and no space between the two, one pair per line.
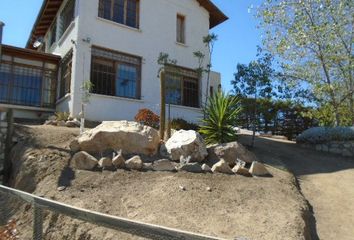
148,117
180,124
221,113
326,134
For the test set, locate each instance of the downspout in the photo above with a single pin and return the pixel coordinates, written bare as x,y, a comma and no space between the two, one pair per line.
1,28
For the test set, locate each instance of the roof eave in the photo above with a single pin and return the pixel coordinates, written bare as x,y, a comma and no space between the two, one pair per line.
36,22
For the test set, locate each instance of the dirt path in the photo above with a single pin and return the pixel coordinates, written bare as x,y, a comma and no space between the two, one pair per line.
326,181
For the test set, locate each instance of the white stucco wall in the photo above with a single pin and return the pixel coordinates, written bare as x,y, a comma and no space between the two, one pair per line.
215,80
157,34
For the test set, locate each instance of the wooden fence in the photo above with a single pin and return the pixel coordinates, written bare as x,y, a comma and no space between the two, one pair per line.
135,228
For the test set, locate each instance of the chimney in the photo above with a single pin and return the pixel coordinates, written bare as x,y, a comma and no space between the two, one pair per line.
1,28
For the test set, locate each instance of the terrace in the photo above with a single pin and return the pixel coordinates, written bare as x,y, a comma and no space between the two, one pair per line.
28,79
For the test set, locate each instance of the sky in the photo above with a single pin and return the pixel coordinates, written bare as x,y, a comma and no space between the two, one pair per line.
237,38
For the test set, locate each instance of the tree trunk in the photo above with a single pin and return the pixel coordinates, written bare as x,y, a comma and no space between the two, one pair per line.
162,106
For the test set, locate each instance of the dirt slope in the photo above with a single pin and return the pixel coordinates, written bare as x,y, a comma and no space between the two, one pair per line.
326,180
254,208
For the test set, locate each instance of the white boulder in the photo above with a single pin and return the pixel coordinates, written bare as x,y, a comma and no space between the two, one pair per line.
163,165
118,161
186,144
84,161
222,167
135,163
241,170
230,152
131,137
258,169
105,163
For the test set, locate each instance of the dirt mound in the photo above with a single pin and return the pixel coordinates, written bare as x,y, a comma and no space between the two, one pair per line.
236,206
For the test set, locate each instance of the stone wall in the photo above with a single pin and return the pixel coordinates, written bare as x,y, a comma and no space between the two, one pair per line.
344,148
3,133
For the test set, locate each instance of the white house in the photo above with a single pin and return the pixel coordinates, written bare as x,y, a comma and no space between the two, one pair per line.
115,44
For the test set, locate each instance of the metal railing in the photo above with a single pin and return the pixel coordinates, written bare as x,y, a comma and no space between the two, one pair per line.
134,228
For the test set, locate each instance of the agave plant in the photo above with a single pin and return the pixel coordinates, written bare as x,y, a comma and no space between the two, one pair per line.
221,113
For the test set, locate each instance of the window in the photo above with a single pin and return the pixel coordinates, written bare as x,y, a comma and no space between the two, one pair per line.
115,74
211,91
120,11
182,88
181,29
65,79
27,82
53,34
66,17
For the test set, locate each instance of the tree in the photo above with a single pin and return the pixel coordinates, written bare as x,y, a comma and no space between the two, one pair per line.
253,81
209,42
164,61
314,41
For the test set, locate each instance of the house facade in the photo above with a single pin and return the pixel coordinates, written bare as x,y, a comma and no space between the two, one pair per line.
115,44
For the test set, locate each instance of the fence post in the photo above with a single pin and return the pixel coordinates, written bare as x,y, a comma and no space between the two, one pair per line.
8,145
37,222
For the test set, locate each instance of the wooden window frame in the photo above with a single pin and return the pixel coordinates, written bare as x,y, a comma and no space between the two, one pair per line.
183,76
181,33
66,74
111,17
64,23
115,63
53,33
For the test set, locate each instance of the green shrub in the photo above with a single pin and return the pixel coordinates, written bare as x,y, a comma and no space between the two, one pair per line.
180,124
221,113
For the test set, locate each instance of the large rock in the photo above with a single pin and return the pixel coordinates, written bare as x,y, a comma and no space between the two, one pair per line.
163,165
135,163
186,144
206,168
191,167
74,146
131,137
230,152
241,170
105,163
84,161
222,167
119,161
72,124
258,169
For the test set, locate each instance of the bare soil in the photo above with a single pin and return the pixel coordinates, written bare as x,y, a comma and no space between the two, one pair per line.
326,181
254,208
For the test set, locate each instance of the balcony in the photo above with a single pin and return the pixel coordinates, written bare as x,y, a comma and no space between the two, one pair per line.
28,79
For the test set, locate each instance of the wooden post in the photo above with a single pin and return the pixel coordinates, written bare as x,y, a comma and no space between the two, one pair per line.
37,222
162,105
8,145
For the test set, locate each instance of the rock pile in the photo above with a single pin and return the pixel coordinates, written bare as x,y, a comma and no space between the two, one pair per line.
70,123
184,151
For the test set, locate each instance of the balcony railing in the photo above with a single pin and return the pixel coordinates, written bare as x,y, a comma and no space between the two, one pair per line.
28,78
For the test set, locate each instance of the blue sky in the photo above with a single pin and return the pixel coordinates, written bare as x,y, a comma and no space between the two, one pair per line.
238,37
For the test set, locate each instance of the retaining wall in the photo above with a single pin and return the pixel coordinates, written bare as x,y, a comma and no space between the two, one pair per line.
344,148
